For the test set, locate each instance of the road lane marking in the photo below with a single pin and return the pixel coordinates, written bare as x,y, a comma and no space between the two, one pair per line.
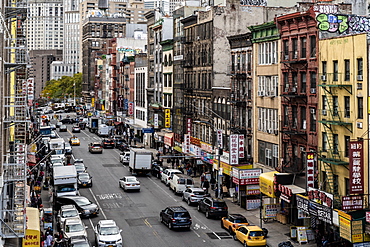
96,200
171,196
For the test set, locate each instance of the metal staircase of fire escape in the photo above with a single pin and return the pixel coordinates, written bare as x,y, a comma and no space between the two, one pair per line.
15,119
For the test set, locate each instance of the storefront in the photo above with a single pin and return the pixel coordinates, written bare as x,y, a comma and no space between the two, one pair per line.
247,187
270,205
288,205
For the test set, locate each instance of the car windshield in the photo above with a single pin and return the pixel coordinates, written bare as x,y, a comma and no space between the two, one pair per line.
79,166
219,204
241,220
84,176
53,161
82,201
256,234
131,180
113,230
199,193
65,188
81,244
74,228
181,215
69,213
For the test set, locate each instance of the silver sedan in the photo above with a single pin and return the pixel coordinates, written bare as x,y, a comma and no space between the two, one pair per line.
129,183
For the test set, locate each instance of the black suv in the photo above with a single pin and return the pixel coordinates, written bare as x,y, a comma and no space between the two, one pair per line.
213,207
107,143
176,217
84,206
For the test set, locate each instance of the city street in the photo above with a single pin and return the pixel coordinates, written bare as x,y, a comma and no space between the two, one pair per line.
137,213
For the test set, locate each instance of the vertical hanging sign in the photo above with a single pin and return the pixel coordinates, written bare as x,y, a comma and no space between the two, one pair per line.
234,150
167,118
186,146
310,176
188,126
219,139
156,126
356,167
131,108
241,146
30,88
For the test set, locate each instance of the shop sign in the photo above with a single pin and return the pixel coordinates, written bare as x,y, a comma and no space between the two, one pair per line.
156,124
30,88
148,130
356,172
234,150
206,147
320,197
195,141
310,168
219,139
303,204
188,126
241,146
352,202
368,217
357,231
167,118
249,176
366,244
253,190
130,108
345,229
270,210
322,212
186,146
253,204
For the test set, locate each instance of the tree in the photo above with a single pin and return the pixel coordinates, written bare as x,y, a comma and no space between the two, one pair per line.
66,85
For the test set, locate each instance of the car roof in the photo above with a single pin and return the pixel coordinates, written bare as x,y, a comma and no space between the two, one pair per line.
107,223
130,177
67,207
73,197
196,189
178,208
73,221
236,216
95,143
173,170
253,228
214,199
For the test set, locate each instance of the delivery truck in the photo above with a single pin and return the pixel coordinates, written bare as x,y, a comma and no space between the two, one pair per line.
93,124
65,181
140,161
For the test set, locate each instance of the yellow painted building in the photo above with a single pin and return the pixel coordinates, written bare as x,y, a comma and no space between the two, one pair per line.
343,110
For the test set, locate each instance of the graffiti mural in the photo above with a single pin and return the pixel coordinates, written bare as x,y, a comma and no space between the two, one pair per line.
254,2
343,23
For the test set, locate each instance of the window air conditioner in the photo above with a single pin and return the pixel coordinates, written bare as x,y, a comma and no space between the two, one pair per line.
323,77
324,112
313,90
359,77
313,110
359,125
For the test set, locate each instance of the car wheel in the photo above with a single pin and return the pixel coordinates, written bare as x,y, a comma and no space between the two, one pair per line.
231,231
222,224
161,219
120,185
199,209
183,198
245,244
235,238
207,215
170,226
189,202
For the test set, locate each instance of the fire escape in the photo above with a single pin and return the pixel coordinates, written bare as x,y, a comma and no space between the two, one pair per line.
293,96
15,119
332,119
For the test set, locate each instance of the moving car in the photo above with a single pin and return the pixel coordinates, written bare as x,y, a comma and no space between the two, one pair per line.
193,195
95,147
233,221
74,227
250,236
84,180
107,143
124,157
118,140
63,128
157,170
175,217
76,129
84,206
129,183
213,207
107,234
67,212
67,121
53,126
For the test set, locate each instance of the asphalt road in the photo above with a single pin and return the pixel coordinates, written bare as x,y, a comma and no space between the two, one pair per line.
137,213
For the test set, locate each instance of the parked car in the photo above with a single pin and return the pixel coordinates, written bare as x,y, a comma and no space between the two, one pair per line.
74,227
175,217
129,183
124,157
63,128
80,167
66,212
76,129
213,207
250,236
193,195
233,221
179,182
107,143
59,124
107,234
78,241
157,170
95,147
166,175
84,180
67,148
84,206
118,140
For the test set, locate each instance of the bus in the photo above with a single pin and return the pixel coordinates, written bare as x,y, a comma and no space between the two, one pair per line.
32,235
45,131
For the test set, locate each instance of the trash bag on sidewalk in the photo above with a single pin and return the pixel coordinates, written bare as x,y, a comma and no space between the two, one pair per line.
285,244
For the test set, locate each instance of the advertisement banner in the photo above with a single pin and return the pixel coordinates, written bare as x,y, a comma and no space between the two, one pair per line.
249,176
320,197
352,202
167,118
357,231
234,152
345,226
267,183
241,146
270,210
130,108
356,166
310,168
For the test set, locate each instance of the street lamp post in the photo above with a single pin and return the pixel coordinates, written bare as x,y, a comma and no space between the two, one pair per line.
74,93
219,173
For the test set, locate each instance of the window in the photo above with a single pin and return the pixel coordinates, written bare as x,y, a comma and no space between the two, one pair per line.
312,82
335,70
347,107
335,144
335,106
267,53
313,119
313,46
324,141
360,107
286,81
267,120
359,69
303,117
324,105
295,82
294,116
347,70
303,47
286,49
295,48
303,82
324,67
346,145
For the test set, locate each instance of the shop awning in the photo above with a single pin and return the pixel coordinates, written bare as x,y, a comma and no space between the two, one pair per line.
178,149
267,183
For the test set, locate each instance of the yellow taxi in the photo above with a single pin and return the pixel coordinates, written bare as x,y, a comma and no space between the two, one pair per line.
233,221
74,141
250,236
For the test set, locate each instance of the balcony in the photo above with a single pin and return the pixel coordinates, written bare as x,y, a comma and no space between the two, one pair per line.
237,70
336,80
289,90
292,57
290,127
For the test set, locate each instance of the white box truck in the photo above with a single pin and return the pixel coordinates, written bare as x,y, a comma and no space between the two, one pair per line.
103,130
65,181
140,161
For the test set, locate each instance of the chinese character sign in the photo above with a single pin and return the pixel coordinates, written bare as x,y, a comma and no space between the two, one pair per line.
188,125
130,108
156,125
310,177
241,146
186,146
167,118
30,88
234,149
356,173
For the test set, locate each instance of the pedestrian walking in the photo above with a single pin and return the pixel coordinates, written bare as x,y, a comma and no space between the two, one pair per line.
202,178
213,183
206,185
49,240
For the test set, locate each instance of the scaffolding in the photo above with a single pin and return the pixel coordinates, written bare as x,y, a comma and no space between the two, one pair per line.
15,120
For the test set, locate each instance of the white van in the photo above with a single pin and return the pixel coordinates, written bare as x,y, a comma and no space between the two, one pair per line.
179,183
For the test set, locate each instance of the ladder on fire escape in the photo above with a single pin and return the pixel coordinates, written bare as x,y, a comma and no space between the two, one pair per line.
16,121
